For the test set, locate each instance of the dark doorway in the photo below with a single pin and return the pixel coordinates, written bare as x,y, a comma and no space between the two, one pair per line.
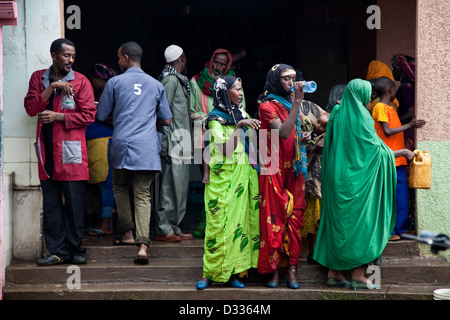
327,40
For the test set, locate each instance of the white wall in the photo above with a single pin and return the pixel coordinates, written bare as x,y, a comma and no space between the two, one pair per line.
7,222
26,48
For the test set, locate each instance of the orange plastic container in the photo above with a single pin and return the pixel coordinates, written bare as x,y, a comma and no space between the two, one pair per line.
420,171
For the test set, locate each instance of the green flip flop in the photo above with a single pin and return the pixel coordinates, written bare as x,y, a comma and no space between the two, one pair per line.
357,285
333,283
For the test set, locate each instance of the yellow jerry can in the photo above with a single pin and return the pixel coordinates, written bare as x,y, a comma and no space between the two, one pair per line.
420,170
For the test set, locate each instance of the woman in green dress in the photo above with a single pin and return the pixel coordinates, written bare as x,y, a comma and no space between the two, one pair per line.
358,190
232,195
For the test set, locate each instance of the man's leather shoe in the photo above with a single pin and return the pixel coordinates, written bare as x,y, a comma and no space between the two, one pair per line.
185,236
80,259
167,237
50,260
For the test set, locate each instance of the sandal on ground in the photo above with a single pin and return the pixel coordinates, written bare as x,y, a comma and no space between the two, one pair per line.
358,285
141,259
97,232
394,237
120,242
333,283
272,284
293,285
235,284
203,284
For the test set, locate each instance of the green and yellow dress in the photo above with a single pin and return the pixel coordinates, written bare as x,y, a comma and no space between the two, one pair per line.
232,210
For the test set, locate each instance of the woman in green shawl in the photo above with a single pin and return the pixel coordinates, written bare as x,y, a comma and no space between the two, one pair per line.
358,190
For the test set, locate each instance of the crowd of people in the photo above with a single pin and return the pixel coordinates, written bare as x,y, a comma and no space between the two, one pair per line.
335,178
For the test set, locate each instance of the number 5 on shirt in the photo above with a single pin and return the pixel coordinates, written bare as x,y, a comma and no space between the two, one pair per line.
137,89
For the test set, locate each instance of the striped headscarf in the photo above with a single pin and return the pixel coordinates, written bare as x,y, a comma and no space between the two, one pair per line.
228,114
205,81
222,103
408,65
102,71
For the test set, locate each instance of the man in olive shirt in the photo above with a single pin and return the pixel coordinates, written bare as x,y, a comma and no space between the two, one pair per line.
175,149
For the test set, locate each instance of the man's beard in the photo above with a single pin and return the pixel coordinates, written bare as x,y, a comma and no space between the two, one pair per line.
216,74
64,71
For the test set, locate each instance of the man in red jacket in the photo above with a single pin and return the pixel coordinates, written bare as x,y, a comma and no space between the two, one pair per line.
63,100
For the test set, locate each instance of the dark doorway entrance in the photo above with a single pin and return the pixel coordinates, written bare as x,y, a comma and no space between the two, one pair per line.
327,40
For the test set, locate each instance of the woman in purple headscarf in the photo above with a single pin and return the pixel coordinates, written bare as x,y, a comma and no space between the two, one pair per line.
99,74
403,70
98,138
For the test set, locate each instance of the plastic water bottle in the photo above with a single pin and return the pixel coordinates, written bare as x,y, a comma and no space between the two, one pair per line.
308,87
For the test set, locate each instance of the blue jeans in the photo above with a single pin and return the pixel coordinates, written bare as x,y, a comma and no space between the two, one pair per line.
107,196
402,201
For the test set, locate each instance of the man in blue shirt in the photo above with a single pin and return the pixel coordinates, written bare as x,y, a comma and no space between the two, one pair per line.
137,103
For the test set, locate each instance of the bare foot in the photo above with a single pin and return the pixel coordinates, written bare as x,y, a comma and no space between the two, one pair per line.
142,257
127,238
358,275
105,226
335,274
142,250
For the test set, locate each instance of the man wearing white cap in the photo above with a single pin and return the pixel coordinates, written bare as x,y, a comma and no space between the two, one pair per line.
175,149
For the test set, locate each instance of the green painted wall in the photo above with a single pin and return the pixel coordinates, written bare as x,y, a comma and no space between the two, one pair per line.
433,205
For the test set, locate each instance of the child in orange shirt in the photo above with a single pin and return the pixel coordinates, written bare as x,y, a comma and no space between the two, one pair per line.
390,130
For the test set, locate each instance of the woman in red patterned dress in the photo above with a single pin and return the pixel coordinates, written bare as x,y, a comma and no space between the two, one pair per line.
282,187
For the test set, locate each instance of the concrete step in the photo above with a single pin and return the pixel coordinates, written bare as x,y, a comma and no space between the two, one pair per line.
415,271
401,248
158,270
188,292
102,248
174,268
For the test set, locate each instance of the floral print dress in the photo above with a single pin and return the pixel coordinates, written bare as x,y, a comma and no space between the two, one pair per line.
232,210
